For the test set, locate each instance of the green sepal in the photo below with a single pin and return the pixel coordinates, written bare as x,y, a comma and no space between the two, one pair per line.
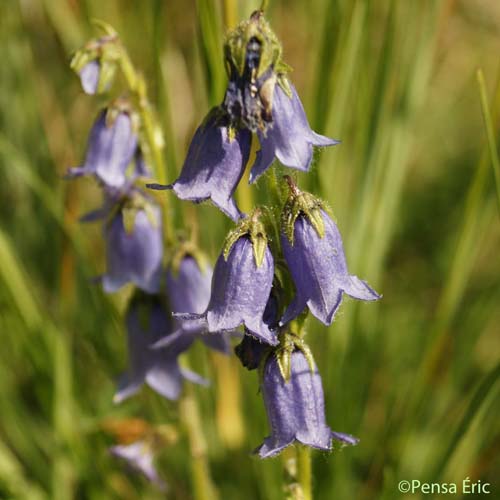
129,208
290,342
284,83
123,105
255,229
106,76
235,46
187,248
105,27
304,203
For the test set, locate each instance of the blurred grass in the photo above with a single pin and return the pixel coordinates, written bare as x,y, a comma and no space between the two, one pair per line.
415,376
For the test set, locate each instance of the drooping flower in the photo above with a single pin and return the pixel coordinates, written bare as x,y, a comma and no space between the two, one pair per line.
134,245
296,408
89,76
214,165
147,321
241,283
140,457
111,147
188,284
313,249
289,138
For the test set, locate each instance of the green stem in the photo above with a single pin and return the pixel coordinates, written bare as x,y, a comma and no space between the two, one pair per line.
152,133
200,473
304,471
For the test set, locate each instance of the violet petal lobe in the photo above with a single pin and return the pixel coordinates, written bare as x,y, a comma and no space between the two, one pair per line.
147,322
138,456
188,291
213,167
290,138
133,257
295,409
110,149
240,291
319,270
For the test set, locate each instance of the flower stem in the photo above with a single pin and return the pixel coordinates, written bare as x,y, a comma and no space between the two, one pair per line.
304,471
200,473
152,133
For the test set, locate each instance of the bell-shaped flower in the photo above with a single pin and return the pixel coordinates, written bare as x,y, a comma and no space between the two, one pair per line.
134,245
289,137
314,253
147,321
139,456
241,283
111,147
188,284
296,408
214,165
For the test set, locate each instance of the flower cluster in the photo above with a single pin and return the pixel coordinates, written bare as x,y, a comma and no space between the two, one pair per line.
247,287
259,99
260,287
136,251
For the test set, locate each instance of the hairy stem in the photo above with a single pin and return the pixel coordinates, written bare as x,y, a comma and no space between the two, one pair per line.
152,133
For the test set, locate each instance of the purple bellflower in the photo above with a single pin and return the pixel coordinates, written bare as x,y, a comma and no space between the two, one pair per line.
134,245
214,165
314,253
241,283
139,456
89,76
111,147
296,408
240,290
147,321
289,138
188,284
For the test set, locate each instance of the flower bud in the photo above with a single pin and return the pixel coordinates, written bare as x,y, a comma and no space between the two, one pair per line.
97,61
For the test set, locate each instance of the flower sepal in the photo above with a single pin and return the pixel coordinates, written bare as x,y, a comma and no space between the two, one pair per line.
301,202
254,227
132,205
289,343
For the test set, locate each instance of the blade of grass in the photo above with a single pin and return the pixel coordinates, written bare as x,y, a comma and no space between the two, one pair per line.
490,134
478,401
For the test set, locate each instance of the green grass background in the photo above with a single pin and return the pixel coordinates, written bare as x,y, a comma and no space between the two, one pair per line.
415,375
